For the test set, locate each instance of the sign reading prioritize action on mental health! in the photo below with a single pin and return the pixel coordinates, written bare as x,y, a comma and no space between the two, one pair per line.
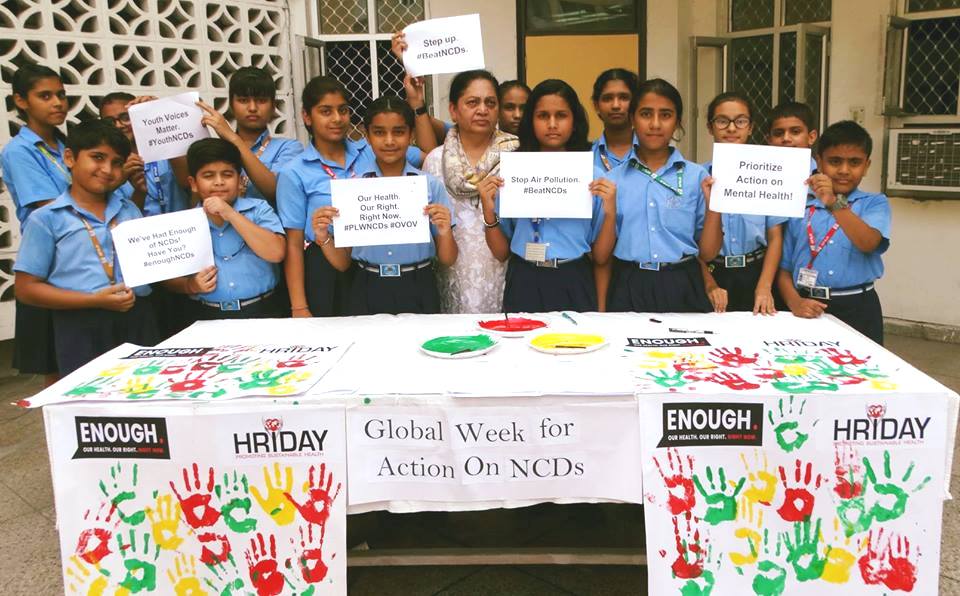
546,184
160,247
165,128
452,44
759,179
378,211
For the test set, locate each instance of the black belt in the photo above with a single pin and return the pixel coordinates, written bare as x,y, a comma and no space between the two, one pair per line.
824,293
739,261
235,305
392,270
658,266
553,263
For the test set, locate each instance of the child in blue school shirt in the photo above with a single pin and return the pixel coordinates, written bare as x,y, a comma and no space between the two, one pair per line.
247,240
67,262
393,279
35,174
550,267
832,256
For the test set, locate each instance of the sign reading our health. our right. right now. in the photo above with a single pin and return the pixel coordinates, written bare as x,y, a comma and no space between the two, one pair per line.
759,179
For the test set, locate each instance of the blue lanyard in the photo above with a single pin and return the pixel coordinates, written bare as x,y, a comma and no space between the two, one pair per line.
535,222
155,174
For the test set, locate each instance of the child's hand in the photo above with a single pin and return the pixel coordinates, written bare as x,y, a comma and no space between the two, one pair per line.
607,191
217,122
439,216
398,45
707,187
413,87
133,170
140,99
217,206
203,281
321,221
118,298
807,308
763,302
822,186
487,188
718,298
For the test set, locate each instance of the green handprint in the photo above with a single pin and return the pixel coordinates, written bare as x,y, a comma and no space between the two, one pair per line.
693,587
263,378
141,572
664,379
118,496
782,356
151,368
770,580
872,372
235,364
229,579
723,506
239,490
796,385
831,370
210,394
803,552
90,387
787,430
900,496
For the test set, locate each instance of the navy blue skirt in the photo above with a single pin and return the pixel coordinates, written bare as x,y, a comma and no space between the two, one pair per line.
33,347
412,292
681,289
739,282
83,334
530,288
326,288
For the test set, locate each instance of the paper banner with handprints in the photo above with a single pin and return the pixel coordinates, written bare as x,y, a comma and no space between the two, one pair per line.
793,495
133,373
168,502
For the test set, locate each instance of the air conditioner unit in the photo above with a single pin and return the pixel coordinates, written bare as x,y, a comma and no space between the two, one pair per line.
923,159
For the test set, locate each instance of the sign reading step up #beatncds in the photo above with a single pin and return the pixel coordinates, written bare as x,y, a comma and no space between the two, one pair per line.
379,211
160,247
550,184
437,46
759,179
165,128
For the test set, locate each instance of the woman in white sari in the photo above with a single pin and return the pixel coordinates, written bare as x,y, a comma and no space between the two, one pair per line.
470,153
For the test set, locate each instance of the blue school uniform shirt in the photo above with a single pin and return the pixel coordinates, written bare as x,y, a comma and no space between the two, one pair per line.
278,152
30,176
164,193
600,151
241,274
566,238
654,224
406,254
743,234
840,264
56,246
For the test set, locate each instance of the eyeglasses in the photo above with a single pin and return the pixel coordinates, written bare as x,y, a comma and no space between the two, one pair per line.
122,118
722,122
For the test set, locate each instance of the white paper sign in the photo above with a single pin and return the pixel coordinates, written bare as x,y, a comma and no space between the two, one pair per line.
452,44
378,211
162,247
554,184
759,179
165,128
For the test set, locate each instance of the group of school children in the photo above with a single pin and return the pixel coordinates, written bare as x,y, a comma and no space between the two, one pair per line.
652,244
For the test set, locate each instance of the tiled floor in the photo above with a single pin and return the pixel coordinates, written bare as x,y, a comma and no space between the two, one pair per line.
29,550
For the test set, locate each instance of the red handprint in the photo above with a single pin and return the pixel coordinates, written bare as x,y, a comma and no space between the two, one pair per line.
196,507
208,555
310,558
732,381
843,358
295,362
264,571
889,561
798,501
93,545
316,509
732,358
769,374
688,546
847,468
678,482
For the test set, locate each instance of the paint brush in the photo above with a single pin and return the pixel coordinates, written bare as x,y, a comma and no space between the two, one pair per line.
569,318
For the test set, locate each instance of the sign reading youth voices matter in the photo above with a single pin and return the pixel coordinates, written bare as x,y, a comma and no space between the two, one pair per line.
162,247
759,180
554,184
437,46
165,128
379,211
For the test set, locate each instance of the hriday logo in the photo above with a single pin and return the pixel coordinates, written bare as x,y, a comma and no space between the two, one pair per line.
876,410
272,425
877,426
274,441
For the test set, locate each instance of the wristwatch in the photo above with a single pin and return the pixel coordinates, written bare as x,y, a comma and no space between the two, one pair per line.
840,203
421,110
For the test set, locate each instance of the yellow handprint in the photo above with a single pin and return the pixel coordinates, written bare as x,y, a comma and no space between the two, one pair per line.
749,532
275,503
795,370
839,560
183,577
164,522
114,371
140,387
883,385
763,484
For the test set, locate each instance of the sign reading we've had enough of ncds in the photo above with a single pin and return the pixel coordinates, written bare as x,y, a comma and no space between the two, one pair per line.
546,184
452,44
379,211
165,128
160,247
759,179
